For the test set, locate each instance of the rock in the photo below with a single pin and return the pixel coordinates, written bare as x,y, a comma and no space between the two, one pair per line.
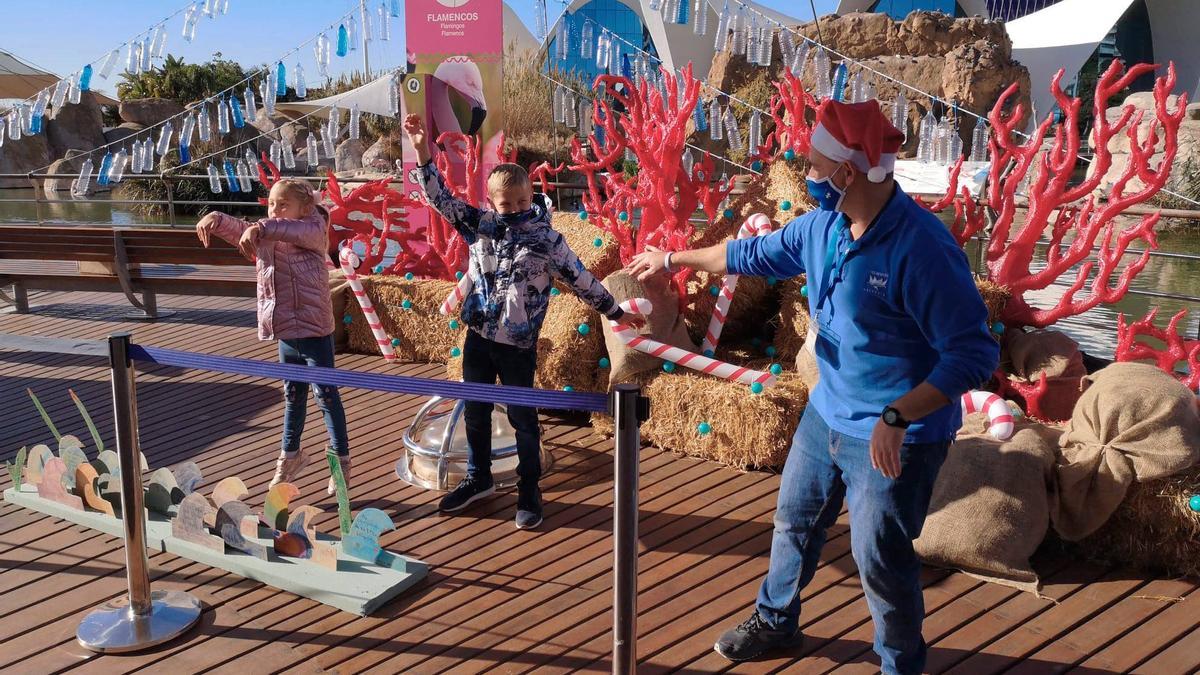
1193,111
1144,100
125,131
148,111
23,156
70,165
382,154
322,162
289,130
76,127
348,155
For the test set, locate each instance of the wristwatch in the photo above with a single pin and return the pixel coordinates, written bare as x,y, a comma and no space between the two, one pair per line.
893,418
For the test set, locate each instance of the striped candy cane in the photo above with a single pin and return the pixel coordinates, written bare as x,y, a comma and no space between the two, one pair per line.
756,225
349,262
456,296
1000,419
727,371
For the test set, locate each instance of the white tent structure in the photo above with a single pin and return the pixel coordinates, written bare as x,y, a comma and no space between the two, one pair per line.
372,97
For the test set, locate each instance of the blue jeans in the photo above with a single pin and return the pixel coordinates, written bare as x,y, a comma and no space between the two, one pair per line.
824,467
315,351
483,361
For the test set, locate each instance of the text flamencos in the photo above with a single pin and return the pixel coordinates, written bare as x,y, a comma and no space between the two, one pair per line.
452,16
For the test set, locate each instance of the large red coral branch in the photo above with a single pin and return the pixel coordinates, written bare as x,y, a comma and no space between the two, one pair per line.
1176,348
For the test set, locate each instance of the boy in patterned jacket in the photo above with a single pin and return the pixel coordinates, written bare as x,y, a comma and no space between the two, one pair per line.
513,255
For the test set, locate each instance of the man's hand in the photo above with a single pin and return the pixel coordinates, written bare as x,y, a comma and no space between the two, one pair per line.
647,263
414,126
249,241
205,227
885,449
636,321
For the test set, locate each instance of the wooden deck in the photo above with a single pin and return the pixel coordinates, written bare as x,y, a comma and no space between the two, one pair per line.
497,599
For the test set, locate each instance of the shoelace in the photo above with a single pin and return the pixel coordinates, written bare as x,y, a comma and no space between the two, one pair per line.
754,624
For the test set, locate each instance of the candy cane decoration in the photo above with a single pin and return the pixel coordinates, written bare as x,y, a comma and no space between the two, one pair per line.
1000,418
756,225
456,296
681,357
350,262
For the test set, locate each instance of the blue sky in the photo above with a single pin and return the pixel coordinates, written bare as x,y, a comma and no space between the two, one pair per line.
63,35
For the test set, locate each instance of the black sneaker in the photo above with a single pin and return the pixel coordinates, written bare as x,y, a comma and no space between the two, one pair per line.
469,490
753,637
529,509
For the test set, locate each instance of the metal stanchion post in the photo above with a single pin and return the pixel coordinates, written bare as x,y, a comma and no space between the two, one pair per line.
629,410
143,619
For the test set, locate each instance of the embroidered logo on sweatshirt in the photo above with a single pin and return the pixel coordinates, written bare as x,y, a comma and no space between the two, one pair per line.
877,282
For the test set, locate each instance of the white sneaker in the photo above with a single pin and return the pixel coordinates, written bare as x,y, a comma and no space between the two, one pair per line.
287,469
332,487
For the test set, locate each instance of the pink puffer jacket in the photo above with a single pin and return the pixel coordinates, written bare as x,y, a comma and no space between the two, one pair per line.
293,282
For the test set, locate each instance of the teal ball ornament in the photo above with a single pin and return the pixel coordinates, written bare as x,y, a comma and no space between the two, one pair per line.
407,304
714,291
804,291
776,369
408,276
668,367
789,154
379,269
395,342
347,319
998,328
568,388
458,276
785,205
771,281
453,324
623,216
554,291
584,329
728,213
709,353
583,215
771,351
1194,503
597,242
604,362
756,388
756,165
704,428
455,352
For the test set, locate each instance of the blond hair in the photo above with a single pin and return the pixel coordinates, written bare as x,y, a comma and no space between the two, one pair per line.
508,175
300,189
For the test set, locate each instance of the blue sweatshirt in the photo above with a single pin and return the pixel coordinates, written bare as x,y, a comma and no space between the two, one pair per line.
891,310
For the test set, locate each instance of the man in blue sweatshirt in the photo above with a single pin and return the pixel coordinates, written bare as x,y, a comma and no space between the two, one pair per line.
900,335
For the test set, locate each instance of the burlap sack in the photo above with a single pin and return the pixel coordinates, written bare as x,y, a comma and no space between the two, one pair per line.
1025,356
806,362
665,324
1133,423
990,506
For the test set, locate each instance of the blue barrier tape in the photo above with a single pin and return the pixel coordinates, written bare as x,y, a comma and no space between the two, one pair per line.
467,391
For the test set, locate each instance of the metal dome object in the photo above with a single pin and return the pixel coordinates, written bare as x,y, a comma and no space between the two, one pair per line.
435,447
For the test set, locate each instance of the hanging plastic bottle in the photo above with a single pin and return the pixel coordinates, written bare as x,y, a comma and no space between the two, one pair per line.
144,51
721,39
755,132
700,10
160,42
955,144
799,59
687,162
766,45
214,179
204,123
188,26
14,125
899,113
587,39
147,155
343,40
352,29
683,12
979,142
318,54
231,177
925,138
117,170
585,117
839,82
334,126
328,145
698,119
110,62
73,93
355,119
251,103
208,9
267,89
395,6
571,120
251,161
136,158
394,96
368,33
185,137
105,167
556,105
222,117
733,135
313,153
669,9
787,45
540,26
83,183
602,50
738,23
164,138
132,61
280,79
3,125
60,95
224,6
301,87
276,152
85,78
235,108
562,39
38,112
821,66
289,157
752,33
385,24
716,123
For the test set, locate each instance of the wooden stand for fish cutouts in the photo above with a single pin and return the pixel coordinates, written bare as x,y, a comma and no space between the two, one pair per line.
360,582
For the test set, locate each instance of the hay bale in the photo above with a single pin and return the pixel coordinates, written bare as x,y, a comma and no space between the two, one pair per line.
1153,530
793,321
783,181
995,297
755,303
566,357
424,335
581,236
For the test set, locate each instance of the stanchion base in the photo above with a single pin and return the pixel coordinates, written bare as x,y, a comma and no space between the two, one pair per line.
112,628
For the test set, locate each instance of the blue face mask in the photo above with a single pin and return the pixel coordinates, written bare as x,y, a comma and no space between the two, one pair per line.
827,195
515,218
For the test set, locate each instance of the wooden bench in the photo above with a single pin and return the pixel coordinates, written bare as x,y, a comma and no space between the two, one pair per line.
135,261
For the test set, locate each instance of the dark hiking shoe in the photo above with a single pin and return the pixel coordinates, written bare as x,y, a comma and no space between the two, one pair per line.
469,490
754,637
529,509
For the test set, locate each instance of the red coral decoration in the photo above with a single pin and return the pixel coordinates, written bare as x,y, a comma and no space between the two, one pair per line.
543,172
1176,348
969,219
654,128
268,175
1030,394
1054,205
794,111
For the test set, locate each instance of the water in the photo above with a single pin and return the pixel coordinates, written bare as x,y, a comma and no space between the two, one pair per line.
1095,330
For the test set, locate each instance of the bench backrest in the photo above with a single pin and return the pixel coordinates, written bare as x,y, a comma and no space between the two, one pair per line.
100,244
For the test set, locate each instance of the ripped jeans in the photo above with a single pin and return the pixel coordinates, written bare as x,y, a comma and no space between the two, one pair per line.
316,351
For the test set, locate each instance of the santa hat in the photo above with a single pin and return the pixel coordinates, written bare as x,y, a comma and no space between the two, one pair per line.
860,134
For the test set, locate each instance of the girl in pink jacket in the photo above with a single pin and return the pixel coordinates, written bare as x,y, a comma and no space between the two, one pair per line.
293,307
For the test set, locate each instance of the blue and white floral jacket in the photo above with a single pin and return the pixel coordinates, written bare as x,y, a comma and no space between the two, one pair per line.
511,266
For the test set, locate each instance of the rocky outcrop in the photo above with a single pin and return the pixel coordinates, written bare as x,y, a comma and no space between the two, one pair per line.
69,166
1187,157
76,127
288,130
382,154
126,131
348,155
148,111
23,156
965,60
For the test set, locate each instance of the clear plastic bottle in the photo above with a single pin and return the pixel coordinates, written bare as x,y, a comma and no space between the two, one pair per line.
355,121
132,59
83,183
766,43
3,128
587,40
352,29
556,105
60,94
164,138
799,59
979,142
204,123
73,94
562,39
572,120
289,156
110,62
251,103
721,39
222,116
755,132
700,11
687,162
716,121
14,125
955,144
585,117
752,35
251,161
733,135
385,24
214,179
334,125
144,51
821,66
368,32
136,158
899,113
160,42
117,171
327,142
394,95
540,25
313,152
301,87
186,131
276,153
739,25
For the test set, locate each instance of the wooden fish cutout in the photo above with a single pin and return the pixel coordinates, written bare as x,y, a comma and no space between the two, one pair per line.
16,468
188,525
162,491
275,508
51,487
107,463
188,478
363,540
35,462
108,487
85,486
73,457
230,518
230,489
300,540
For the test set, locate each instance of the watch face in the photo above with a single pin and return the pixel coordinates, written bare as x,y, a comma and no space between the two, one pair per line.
889,416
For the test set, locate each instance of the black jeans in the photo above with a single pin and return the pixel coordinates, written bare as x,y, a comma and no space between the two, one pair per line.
484,361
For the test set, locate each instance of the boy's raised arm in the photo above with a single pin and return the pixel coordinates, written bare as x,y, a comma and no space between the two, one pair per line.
462,215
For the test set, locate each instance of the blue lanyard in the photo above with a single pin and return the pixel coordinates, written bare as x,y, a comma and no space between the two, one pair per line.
832,263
